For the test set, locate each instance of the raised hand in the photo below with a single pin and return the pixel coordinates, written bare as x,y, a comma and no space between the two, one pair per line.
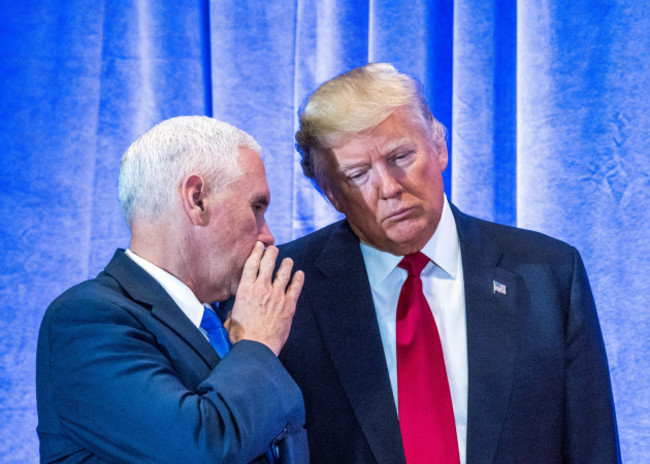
264,306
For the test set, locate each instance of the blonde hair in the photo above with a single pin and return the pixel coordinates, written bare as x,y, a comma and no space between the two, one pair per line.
354,102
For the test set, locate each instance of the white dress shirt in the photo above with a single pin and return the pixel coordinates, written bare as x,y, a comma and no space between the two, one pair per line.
442,281
177,290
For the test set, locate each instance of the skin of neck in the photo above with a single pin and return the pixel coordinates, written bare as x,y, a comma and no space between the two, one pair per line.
168,244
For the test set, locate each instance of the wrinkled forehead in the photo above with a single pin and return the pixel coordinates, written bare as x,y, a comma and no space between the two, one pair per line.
399,129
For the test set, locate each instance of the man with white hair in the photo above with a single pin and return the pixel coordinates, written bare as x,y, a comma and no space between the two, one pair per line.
137,364
423,335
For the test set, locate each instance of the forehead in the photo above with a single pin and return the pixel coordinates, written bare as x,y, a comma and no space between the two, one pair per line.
250,161
399,130
252,179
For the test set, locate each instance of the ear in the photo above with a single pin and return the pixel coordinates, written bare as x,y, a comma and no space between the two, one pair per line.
193,194
443,157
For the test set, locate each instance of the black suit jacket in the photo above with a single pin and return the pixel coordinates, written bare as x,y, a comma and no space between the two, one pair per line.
124,376
539,388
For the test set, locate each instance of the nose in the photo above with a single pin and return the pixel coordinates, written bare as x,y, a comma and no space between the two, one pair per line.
265,235
387,185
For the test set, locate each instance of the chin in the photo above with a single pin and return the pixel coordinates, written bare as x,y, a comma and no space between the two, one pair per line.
401,246
407,249
409,241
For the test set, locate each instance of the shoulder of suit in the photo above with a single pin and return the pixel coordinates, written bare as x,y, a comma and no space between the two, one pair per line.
88,297
517,241
313,242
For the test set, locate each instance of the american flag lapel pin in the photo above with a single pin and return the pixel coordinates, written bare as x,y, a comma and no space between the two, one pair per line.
498,287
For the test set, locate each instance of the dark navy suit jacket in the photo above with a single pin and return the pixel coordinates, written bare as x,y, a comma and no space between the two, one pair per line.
123,376
539,387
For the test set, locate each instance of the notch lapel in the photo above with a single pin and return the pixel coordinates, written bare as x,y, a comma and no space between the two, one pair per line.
147,291
345,311
492,337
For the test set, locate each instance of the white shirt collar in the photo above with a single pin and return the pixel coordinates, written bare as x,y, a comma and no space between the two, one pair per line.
177,290
442,249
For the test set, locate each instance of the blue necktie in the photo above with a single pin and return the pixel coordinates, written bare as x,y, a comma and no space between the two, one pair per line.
216,333
221,343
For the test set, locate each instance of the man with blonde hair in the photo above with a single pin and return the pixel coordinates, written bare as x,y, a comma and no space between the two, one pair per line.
424,335
137,364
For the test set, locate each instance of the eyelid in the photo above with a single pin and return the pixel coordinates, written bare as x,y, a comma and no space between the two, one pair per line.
402,156
403,153
354,175
260,205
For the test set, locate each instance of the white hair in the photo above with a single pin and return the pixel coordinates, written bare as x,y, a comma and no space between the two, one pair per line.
157,162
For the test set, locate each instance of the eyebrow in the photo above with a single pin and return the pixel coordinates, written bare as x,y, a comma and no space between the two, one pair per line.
388,150
397,144
350,167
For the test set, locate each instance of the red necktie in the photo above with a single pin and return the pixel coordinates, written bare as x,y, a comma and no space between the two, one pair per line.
426,414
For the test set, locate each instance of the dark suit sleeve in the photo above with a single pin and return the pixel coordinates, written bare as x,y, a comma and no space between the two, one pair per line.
590,423
109,385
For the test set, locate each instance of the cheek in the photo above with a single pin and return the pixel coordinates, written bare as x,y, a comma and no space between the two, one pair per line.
237,234
362,201
248,228
362,215
426,182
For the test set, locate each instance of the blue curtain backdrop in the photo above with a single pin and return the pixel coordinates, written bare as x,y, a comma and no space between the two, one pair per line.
547,105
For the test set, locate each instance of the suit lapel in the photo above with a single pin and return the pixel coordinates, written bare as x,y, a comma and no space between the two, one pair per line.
492,337
345,310
144,289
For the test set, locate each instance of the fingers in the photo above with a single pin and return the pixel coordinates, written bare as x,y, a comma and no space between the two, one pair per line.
260,264
265,304
252,264
293,292
283,274
282,277
267,264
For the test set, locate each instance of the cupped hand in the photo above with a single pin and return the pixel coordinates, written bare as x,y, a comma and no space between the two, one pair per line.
264,306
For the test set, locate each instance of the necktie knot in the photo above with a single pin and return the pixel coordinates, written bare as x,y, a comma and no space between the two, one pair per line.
414,263
210,320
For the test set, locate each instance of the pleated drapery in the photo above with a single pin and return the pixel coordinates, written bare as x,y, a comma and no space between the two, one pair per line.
547,106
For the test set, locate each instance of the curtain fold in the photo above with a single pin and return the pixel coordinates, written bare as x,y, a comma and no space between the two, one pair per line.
43,198
547,106
484,122
152,68
583,170
331,37
253,61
